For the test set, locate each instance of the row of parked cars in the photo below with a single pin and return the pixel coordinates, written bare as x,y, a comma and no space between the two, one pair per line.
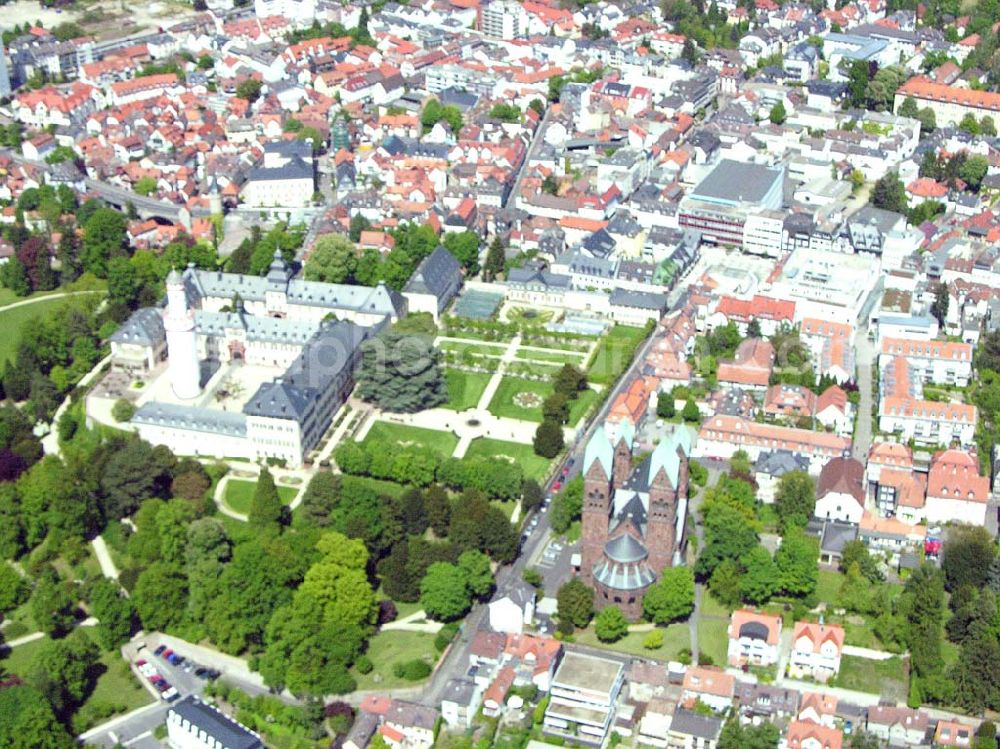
150,672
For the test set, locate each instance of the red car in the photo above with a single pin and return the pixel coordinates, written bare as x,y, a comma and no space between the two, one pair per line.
557,486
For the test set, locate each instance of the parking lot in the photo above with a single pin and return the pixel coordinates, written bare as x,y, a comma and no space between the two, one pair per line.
169,676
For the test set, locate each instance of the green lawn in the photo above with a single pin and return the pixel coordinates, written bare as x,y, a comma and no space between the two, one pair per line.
480,349
389,488
713,640
239,494
115,690
14,321
676,637
887,678
533,466
710,606
530,409
829,586
557,357
387,435
614,353
465,388
386,649
504,404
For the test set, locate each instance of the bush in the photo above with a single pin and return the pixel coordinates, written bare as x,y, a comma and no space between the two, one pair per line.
123,410
386,611
653,640
445,635
364,664
414,670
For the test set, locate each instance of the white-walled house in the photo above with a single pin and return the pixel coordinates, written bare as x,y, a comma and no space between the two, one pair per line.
511,613
840,493
816,651
753,638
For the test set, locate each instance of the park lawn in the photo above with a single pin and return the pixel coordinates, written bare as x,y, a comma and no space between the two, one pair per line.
18,660
614,353
465,388
15,321
388,488
579,406
887,678
386,435
480,349
555,357
713,640
386,649
116,685
503,403
534,466
239,494
676,637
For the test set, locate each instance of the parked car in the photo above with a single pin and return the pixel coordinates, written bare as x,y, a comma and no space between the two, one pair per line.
557,486
159,650
170,694
165,655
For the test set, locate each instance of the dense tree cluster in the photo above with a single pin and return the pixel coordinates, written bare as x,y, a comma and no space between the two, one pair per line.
401,372
419,466
737,567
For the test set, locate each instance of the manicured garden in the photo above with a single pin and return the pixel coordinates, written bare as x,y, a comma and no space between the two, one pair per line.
239,494
533,466
614,353
386,434
465,388
518,398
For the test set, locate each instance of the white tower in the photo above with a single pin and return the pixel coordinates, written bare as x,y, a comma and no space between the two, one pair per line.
182,346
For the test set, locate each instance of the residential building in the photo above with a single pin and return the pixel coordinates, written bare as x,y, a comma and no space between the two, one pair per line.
765,703
928,422
804,734
583,695
897,725
504,19
956,492
753,638
771,466
515,609
192,724
750,367
285,179
721,436
949,103
710,686
930,362
953,733
840,493
816,650
690,730
460,703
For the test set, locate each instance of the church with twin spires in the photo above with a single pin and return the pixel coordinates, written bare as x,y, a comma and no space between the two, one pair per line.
633,516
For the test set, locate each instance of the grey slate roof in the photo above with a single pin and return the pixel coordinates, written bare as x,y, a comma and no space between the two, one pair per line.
257,328
693,724
459,691
436,274
780,462
225,730
638,299
322,360
143,328
191,418
736,181
295,168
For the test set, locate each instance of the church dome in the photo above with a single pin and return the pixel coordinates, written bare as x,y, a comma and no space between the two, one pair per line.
625,549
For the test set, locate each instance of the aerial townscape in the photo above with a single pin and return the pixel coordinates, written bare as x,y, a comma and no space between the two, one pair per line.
458,374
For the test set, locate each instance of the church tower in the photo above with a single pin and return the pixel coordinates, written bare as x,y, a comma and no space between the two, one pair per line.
598,467
183,366
668,482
